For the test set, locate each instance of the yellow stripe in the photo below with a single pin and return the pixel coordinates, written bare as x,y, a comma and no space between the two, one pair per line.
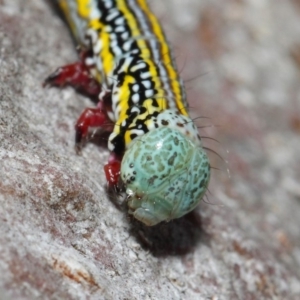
165,53
84,8
124,95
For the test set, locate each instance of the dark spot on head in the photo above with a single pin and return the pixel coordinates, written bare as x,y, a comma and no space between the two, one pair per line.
164,122
152,179
179,124
193,191
202,183
172,158
177,192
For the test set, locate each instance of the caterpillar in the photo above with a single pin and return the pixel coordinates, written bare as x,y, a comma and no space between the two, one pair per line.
127,64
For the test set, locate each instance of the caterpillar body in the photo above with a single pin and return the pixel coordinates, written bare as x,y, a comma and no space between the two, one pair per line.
155,146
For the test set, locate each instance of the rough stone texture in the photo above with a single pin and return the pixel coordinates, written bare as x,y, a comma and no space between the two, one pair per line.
62,237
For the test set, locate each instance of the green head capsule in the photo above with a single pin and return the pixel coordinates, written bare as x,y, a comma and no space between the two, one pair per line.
165,173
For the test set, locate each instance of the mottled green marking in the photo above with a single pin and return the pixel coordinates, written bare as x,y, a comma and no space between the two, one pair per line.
161,184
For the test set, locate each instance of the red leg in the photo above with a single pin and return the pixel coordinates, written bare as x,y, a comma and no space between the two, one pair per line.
76,75
91,117
112,170
96,117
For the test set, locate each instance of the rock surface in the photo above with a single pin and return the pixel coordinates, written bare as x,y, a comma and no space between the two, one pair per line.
63,237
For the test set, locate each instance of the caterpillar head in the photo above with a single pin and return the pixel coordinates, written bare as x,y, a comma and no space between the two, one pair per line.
165,173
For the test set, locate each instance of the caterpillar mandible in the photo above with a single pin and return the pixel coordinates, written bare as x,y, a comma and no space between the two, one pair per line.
126,62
